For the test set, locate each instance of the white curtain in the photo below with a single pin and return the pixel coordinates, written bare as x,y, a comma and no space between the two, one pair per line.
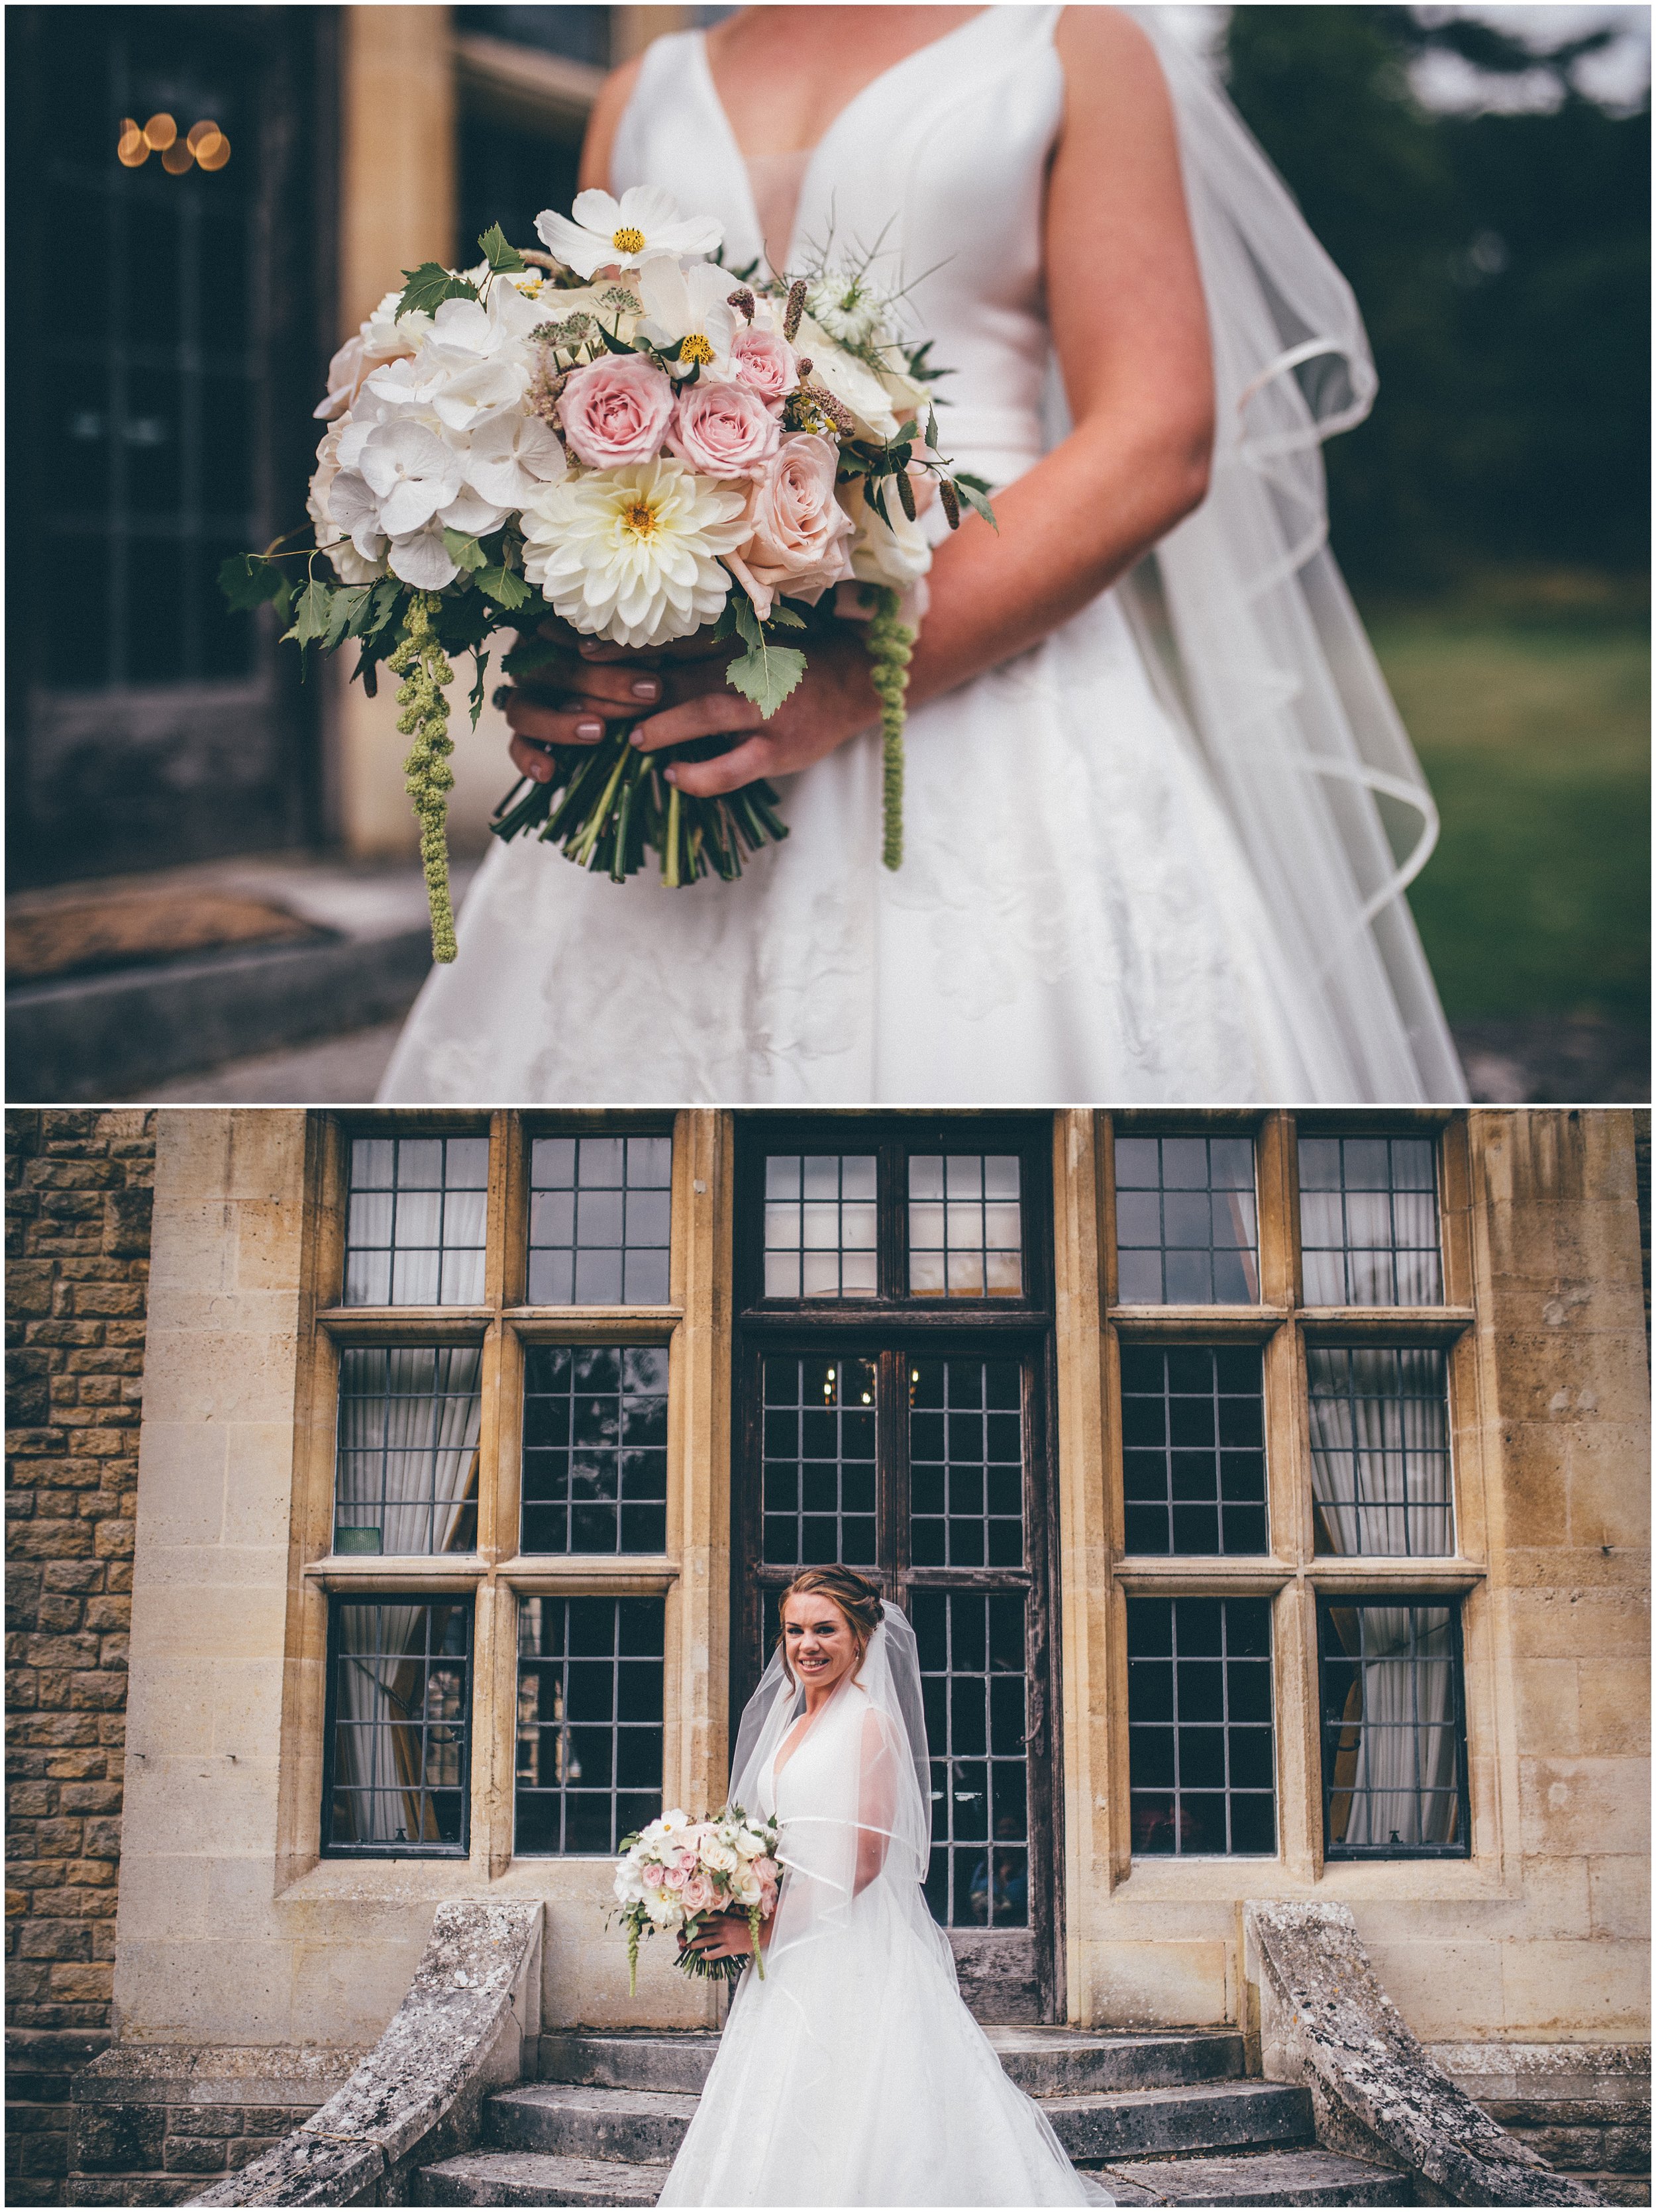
1380,1448
380,1750
428,1417
1397,1785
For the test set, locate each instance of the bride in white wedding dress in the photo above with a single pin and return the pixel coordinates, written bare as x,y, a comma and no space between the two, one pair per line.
853,2074
1160,812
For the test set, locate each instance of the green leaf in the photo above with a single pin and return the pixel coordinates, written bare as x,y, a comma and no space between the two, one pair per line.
765,673
503,585
969,489
786,616
312,615
463,549
876,498
931,430
476,693
614,343
428,286
248,580
347,606
376,610
532,656
498,254
910,430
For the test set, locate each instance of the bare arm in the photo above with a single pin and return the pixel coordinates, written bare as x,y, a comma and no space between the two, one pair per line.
1130,328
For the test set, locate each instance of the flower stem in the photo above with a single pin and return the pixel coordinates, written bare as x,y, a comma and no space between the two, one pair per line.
890,648
420,661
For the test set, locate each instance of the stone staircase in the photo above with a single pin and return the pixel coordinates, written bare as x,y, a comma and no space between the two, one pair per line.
1161,2118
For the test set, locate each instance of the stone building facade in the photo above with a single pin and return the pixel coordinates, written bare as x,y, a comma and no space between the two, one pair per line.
78,1192
478,1408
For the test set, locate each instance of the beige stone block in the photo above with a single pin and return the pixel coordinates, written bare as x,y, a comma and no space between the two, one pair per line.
181,1480
218,1806
1583,1805
1581,1623
1609,1488
269,1244
585,1979
1619,1889
230,1152
1549,1702
1615,1705
1585,1988
221,1374
1446,1992
204,1991
346,1991
1156,1985
192,1249
206,1620
231,1568
258,1494
169,1712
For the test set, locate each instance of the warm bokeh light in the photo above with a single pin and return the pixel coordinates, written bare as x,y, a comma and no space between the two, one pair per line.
177,158
161,130
213,151
132,148
203,146
197,133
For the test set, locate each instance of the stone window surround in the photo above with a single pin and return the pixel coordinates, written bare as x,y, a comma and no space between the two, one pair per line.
1294,1574
694,1758
497,1573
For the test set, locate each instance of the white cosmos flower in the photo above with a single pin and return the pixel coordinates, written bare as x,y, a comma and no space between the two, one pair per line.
632,554
689,304
412,473
898,553
845,376
643,223
511,454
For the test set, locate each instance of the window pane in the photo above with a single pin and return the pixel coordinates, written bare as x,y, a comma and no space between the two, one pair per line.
1393,1762
594,1448
416,1221
820,1225
819,1466
1186,1221
966,1454
1193,1436
1368,1221
972,1678
402,1705
970,1246
1379,1450
589,1707
600,1220
1200,1739
406,1464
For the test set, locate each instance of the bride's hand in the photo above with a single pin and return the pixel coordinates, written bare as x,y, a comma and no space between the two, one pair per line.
726,1936
687,692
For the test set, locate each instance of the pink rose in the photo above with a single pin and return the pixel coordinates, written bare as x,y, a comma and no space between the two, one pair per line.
766,362
676,1875
723,430
802,534
697,1894
616,411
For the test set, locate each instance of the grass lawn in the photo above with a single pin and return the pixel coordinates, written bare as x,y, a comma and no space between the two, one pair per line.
1534,728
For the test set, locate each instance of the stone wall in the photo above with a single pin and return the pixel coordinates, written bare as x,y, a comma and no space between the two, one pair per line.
78,1189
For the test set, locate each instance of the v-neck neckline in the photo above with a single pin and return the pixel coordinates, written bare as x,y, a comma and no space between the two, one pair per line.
813,153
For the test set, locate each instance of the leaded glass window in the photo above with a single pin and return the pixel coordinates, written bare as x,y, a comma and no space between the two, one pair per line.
1394,1770
417,1221
398,1738
1193,1448
590,1709
1379,1450
594,1448
407,1468
972,1668
1187,1231
819,1466
1200,1736
965,1462
1368,1221
601,1214
821,1225
966,1226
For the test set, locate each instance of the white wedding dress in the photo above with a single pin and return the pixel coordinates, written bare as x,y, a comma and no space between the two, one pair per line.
1119,885
853,2074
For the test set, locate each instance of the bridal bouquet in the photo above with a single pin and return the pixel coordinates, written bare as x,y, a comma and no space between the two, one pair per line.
678,1873
652,446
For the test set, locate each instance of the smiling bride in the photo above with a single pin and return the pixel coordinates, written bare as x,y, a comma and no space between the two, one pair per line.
1160,813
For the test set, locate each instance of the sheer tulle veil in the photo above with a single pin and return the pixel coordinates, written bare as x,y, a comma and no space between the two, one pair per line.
1247,624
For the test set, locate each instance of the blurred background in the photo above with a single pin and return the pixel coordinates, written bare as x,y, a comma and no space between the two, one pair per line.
211,886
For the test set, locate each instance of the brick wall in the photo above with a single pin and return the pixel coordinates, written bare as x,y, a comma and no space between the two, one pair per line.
79,1187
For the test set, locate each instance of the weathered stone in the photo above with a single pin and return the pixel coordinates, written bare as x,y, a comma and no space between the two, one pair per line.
1325,2021
461,2031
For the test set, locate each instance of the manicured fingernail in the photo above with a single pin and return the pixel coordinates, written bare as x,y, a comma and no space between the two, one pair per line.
590,732
541,770
646,687
588,646
671,773
638,738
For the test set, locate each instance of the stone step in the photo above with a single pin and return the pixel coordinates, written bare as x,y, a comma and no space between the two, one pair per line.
1044,2061
527,2177
1216,2116
577,2120
1272,2177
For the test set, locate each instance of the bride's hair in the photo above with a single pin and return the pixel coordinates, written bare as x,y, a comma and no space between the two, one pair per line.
858,1600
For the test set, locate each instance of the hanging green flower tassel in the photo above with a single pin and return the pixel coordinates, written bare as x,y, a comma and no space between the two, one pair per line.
890,648
421,664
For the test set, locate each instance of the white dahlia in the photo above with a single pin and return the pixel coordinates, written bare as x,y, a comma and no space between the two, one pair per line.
631,554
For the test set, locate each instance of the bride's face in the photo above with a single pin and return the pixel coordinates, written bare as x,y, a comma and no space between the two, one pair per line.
816,1639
